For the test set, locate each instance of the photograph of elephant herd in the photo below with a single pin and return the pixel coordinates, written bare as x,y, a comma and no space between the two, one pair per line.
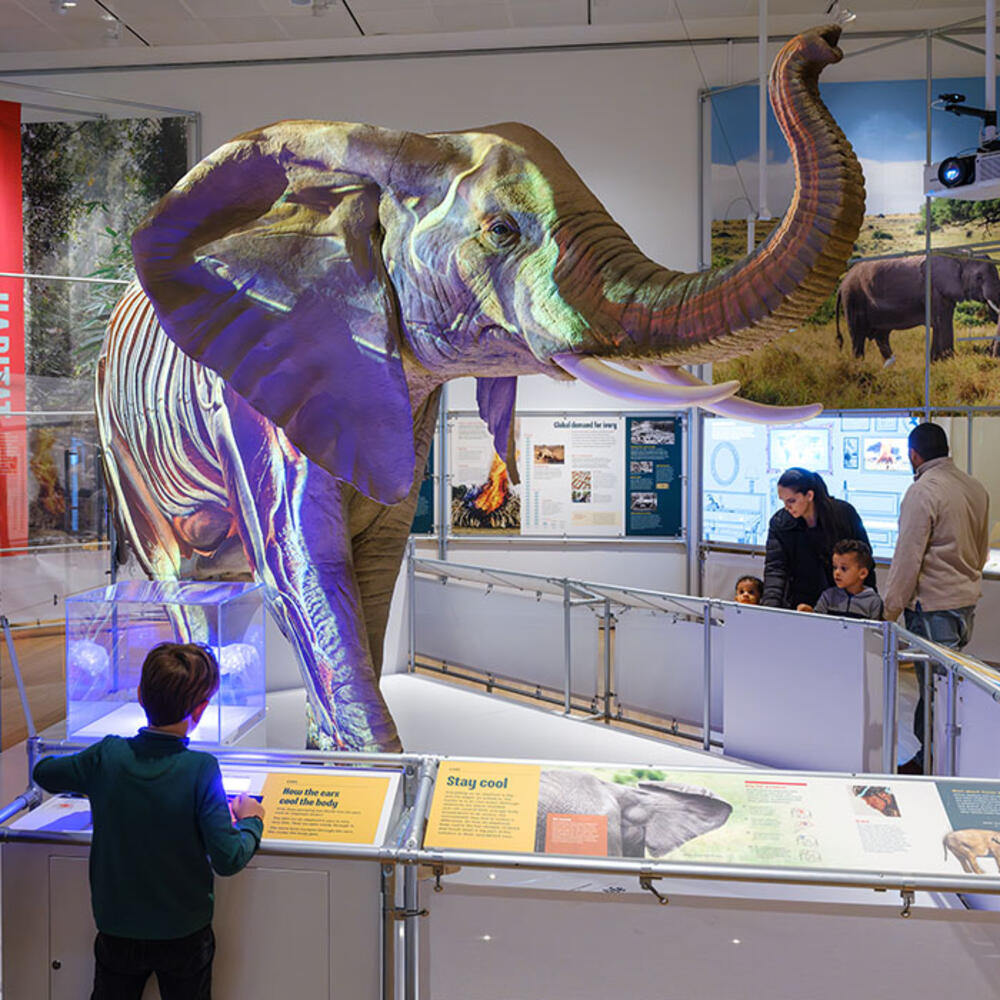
867,346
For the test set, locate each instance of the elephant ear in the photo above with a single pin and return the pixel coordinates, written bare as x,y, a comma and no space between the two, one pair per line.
495,398
265,265
680,813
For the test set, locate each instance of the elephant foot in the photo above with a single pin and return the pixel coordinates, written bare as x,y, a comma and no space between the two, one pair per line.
889,362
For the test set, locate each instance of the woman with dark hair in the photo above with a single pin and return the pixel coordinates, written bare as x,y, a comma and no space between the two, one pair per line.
801,537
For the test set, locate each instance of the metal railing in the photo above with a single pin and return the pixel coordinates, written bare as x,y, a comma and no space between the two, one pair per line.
609,603
400,899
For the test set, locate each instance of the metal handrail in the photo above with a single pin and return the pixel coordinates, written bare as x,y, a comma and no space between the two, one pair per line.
409,849
897,642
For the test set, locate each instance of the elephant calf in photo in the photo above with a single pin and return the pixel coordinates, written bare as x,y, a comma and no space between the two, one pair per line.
967,845
653,816
879,296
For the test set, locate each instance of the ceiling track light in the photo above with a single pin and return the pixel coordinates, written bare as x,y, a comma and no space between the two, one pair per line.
62,6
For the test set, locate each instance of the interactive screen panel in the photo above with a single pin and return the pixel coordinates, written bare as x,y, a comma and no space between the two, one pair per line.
864,460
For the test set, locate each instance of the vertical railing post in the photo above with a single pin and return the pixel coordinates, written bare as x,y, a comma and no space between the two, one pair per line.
927,691
607,660
411,905
388,894
890,687
953,728
444,477
411,600
567,643
706,740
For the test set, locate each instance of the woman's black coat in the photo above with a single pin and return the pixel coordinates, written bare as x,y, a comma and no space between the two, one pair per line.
797,563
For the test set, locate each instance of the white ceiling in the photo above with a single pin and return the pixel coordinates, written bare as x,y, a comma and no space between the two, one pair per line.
32,27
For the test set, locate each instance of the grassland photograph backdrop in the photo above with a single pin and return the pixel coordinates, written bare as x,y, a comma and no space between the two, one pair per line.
885,122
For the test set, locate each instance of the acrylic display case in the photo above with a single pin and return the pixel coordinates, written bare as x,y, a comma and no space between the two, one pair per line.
110,630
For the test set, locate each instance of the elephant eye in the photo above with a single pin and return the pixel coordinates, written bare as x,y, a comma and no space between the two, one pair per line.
502,232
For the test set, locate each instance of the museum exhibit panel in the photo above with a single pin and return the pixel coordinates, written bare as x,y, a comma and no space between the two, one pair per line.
402,417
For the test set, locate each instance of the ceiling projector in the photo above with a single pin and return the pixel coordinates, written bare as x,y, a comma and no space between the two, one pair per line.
971,177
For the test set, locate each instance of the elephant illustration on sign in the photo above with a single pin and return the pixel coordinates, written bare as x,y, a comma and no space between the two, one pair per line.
652,817
879,296
267,391
968,845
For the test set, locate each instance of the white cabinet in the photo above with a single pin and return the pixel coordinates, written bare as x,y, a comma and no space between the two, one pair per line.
282,926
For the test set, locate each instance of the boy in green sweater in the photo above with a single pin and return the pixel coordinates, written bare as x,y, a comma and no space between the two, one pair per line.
161,824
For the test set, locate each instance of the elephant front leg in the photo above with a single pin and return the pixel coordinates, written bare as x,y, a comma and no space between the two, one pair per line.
291,516
943,336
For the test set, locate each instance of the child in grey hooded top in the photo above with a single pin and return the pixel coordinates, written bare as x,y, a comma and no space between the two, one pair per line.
851,597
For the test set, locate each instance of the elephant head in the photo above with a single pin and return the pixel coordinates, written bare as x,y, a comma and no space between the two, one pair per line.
322,267
979,282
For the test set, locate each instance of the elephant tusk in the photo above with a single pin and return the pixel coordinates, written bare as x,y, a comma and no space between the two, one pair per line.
734,406
599,375
993,306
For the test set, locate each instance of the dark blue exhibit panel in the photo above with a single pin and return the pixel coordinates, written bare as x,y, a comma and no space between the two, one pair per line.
423,516
653,477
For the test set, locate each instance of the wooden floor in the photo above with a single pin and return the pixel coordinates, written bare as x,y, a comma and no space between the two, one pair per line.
40,653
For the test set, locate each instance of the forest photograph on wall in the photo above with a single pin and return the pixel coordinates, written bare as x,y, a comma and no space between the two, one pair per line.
86,185
866,346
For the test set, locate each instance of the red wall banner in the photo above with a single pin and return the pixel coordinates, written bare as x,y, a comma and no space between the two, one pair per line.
13,429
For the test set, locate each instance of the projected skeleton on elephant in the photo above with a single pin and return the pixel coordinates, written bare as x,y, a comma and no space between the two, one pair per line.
267,397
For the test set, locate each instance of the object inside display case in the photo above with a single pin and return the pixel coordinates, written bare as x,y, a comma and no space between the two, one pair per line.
110,630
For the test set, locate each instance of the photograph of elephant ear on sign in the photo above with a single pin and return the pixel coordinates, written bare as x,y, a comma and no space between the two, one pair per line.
865,346
579,813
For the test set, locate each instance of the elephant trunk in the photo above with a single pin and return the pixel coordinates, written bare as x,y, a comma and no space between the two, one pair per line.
646,312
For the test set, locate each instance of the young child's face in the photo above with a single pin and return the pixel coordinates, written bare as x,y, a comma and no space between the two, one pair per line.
746,592
848,573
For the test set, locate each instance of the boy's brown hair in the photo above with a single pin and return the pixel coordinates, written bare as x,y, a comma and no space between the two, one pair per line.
862,553
176,678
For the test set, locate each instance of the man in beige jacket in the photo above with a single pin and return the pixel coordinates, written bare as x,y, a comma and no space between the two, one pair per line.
943,544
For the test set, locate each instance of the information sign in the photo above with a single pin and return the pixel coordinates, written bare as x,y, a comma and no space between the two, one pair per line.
484,806
879,824
423,516
654,488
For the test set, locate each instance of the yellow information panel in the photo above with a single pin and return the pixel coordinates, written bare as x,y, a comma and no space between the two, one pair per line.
484,806
325,808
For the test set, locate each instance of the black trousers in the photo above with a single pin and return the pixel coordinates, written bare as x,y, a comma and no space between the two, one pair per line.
183,966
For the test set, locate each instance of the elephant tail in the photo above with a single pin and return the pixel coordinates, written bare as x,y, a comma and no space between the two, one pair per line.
836,313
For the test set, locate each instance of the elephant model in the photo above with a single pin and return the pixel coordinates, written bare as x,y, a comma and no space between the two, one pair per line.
880,296
268,393
653,817
967,845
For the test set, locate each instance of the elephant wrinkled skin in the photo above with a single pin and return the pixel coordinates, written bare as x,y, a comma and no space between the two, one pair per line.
267,398
879,296
653,816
